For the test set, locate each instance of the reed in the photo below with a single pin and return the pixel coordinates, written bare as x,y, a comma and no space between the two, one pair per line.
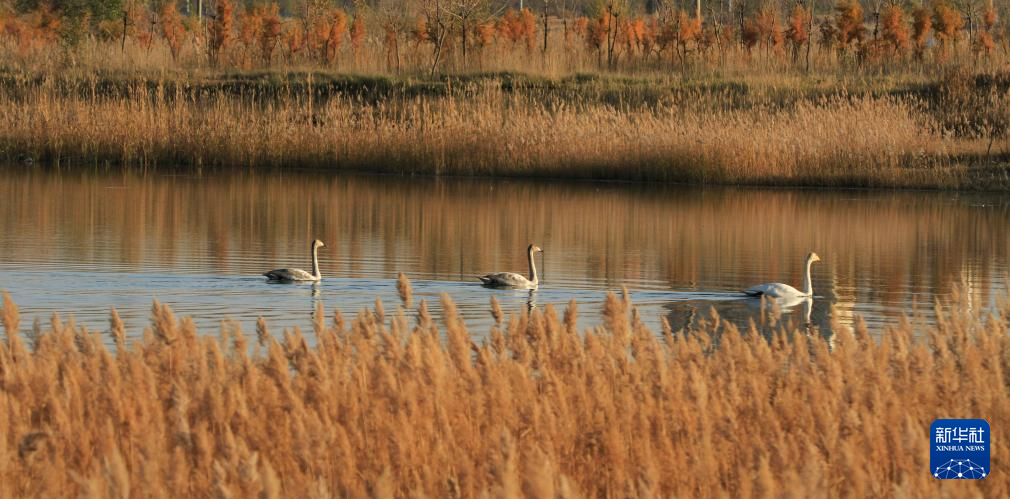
393,407
484,127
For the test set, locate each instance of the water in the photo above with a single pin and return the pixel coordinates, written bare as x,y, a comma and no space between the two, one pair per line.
82,243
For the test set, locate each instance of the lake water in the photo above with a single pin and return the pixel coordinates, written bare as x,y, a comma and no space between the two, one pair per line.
82,243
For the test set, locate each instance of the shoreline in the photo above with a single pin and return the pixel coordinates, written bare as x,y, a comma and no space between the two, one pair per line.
222,170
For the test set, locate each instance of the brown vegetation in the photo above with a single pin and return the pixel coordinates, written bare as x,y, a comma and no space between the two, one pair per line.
379,406
486,131
655,53
618,37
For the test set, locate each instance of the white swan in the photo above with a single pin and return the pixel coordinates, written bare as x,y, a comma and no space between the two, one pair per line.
291,275
779,290
512,280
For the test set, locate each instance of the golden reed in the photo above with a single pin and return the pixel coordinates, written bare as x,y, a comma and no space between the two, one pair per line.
401,406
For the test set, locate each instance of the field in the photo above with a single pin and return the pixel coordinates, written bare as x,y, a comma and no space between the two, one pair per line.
391,404
660,98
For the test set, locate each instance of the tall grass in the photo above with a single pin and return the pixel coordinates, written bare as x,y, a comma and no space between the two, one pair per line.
392,404
480,128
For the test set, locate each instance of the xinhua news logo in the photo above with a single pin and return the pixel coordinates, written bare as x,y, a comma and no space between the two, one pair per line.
959,449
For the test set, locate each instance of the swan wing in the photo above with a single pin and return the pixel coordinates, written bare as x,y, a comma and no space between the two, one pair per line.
506,279
289,275
773,289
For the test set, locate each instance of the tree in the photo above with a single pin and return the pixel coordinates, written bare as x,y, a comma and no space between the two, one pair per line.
464,12
220,31
270,33
438,28
394,19
947,23
335,38
357,32
797,33
894,29
76,17
985,43
849,21
612,14
922,24
172,29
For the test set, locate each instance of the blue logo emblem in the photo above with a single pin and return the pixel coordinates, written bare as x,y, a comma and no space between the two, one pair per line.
959,448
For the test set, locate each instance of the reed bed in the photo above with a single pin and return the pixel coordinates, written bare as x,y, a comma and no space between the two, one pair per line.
484,130
392,404
807,98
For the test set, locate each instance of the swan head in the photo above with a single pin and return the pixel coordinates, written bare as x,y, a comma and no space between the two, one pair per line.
812,257
535,248
317,244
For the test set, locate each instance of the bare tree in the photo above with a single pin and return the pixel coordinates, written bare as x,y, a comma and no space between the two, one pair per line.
464,12
615,9
439,24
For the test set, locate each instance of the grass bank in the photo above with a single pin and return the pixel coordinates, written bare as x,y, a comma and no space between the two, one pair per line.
386,406
949,133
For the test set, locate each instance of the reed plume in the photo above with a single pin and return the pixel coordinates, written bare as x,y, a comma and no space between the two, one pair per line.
536,409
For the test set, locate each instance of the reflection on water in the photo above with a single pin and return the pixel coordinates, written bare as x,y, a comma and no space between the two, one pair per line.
83,243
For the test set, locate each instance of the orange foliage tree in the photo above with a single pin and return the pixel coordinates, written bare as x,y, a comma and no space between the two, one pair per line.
922,25
947,22
510,27
769,28
270,32
420,32
985,43
528,28
849,23
250,27
894,28
687,31
391,42
294,40
357,34
338,27
220,31
596,35
172,29
797,33
484,32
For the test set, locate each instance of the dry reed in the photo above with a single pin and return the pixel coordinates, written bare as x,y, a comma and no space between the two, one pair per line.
484,130
385,409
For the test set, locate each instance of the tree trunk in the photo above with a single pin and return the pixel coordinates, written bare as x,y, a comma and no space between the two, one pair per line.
463,40
545,27
810,33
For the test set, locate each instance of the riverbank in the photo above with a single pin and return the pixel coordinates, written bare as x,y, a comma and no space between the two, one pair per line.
891,132
388,406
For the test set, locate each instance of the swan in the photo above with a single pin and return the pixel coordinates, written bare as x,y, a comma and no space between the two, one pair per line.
779,290
292,275
512,280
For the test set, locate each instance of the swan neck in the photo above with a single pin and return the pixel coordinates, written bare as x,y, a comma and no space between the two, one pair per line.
533,269
808,288
315,262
